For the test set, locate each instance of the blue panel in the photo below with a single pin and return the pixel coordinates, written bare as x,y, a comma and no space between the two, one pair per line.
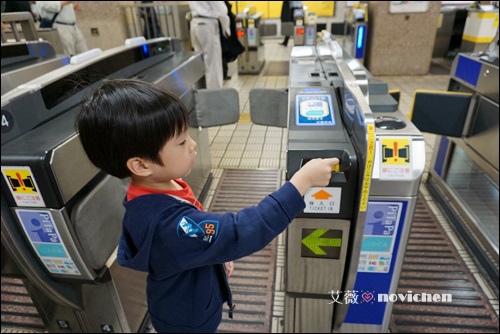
360,42
368,310
468,70
441,155
48,250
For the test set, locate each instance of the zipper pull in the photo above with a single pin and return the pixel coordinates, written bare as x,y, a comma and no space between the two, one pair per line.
231,310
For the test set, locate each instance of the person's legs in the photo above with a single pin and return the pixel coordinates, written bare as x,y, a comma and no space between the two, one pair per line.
66,35
80,42
285,41
205,38
225,69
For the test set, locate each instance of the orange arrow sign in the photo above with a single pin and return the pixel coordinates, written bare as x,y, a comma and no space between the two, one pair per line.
321,195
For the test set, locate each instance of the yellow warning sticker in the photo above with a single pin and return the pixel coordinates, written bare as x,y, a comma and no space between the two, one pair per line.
365,191
395,162
22,186
395,151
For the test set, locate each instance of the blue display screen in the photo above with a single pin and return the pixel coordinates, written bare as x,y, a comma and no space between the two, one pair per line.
314,110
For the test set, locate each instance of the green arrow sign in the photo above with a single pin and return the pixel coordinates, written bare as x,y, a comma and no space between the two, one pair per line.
321,242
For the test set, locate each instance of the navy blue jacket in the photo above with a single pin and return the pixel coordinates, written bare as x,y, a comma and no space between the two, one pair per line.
182,249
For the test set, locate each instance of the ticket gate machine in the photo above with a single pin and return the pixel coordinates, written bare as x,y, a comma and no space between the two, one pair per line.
251,61
304,30
346,249
61,216
356,30
24,61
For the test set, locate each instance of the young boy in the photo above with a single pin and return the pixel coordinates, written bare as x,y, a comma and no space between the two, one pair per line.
134,129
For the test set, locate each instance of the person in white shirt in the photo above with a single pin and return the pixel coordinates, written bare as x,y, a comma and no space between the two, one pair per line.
205,36
71,37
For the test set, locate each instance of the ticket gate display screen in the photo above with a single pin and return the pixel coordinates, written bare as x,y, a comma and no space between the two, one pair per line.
314,110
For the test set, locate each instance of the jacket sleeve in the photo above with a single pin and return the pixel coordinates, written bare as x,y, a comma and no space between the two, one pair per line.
196,238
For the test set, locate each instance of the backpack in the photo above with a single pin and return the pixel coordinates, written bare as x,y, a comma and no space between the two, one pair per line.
48,23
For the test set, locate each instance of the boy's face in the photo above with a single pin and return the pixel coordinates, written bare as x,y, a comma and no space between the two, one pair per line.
178,157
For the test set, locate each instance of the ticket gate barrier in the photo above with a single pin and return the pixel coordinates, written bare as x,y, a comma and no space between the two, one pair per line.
356,31
347,246
465,167
251,61
24,61
61,217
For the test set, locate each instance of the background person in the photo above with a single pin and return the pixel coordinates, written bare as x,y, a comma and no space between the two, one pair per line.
231,46
71,37
205,36
287,15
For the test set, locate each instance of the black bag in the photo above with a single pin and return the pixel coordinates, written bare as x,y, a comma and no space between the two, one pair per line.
46,23
231,46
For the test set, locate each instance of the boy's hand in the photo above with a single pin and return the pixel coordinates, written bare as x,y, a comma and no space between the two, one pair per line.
229,268
315,173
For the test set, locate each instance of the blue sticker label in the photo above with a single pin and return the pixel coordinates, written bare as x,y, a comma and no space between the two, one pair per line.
50,250
206,230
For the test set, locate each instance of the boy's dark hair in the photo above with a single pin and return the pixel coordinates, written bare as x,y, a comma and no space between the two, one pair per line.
122,119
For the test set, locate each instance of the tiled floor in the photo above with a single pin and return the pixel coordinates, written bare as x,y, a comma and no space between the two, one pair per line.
249,146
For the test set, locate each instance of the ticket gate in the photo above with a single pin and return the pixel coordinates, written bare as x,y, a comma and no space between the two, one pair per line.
346,249
251,61
61,216
356,31
463,173
480,28
358,225
304,29
24,61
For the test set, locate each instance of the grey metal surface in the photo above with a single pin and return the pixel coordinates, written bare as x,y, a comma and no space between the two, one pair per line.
98,231
20,76
215,107
51,92
306,275
401,188
67,158
487,80
269,107
308,315
484,130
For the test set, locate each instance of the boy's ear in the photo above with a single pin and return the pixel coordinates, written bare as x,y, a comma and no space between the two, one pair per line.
138,166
